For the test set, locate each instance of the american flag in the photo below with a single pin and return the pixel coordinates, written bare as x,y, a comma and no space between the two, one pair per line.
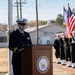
69,20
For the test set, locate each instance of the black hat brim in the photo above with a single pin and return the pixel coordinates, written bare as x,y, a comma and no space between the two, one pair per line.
23,24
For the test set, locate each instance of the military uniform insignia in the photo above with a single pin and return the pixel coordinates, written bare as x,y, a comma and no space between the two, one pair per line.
28,38
43,64
15,49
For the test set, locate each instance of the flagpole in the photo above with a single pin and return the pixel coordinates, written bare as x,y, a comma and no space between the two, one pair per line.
10,12
68,19
37,21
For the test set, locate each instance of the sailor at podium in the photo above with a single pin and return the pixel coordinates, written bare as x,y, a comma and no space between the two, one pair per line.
18,40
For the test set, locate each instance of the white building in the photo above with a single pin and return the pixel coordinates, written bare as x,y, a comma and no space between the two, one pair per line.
3,39
46,33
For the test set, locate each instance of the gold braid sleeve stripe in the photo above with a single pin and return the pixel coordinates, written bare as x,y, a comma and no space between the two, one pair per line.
14,49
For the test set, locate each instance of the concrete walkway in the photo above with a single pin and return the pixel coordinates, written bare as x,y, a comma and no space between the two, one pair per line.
58,69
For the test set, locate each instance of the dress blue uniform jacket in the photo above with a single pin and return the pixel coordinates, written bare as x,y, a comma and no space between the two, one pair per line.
18,41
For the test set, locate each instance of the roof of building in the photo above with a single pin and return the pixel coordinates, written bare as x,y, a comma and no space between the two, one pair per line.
30,29
34,28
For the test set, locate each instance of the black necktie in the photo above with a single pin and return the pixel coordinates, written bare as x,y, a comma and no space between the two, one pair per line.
23,34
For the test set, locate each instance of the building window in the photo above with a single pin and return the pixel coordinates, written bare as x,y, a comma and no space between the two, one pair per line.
3,39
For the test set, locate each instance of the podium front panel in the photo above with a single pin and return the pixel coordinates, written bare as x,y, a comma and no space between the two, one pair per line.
42,60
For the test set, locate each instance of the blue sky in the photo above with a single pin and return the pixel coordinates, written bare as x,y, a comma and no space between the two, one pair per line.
47,9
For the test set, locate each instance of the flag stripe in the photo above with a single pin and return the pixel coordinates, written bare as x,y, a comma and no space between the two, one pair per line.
70,22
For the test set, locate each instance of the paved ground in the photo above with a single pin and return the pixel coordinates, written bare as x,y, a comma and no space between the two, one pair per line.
58,69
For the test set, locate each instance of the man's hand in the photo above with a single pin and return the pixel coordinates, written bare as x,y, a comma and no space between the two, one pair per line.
20,50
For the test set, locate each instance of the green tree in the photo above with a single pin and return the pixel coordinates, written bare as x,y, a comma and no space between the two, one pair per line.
52,21
43,22
73,10
59,19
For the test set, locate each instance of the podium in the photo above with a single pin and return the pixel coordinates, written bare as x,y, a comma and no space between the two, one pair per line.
37,60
